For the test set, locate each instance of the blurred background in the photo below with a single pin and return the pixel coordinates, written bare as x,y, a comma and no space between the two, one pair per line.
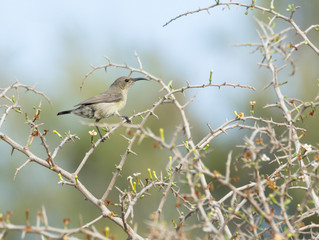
50,45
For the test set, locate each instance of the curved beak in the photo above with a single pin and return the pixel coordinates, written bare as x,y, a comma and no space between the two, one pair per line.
139,78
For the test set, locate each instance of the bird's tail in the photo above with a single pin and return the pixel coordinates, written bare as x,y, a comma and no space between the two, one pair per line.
64,112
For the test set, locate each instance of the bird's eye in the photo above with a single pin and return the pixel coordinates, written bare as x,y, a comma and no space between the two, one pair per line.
126,80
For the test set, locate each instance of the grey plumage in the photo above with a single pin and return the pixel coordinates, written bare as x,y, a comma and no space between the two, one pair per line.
105,104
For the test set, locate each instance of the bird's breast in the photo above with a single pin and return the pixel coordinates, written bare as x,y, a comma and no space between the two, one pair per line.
121,104
105,110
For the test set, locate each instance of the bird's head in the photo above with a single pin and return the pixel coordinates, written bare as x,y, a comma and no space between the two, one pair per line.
124,83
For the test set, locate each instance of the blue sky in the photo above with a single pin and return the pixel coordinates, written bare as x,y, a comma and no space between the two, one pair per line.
33,47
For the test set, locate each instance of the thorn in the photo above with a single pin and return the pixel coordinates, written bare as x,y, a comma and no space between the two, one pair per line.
223,130
128,139
210,128
130,151
12,151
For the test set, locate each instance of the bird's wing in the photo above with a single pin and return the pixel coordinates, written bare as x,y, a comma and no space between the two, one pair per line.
104,97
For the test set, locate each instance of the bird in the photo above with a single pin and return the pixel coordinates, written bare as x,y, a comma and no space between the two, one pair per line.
105,104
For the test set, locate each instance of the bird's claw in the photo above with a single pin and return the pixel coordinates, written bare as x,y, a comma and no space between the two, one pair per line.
127,119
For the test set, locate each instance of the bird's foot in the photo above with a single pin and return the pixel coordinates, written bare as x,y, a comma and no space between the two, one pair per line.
101,137
127,119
